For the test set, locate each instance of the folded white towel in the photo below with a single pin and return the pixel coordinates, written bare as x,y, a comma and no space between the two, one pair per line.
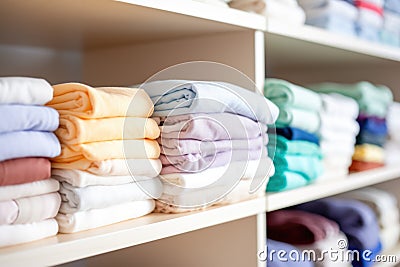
335,104
84,220
333,8
23,233
98,196
24,90
337,148
10,192
338,124
284,12
370,18
393,122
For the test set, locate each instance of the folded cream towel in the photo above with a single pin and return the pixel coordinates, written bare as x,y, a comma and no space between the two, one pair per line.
10,192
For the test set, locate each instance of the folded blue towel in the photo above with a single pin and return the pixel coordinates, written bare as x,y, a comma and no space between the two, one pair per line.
372,125
28,144
27,118
393,5
274,260
292,133
366,137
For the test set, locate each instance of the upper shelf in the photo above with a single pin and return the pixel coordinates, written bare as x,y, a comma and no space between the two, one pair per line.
73,24
332,187
296,46
70,247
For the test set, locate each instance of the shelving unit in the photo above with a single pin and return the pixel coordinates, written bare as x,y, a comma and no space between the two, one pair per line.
125,42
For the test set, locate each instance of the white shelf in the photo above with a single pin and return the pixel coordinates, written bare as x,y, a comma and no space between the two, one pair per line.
288,45
73,24
328,188
69,247
395,251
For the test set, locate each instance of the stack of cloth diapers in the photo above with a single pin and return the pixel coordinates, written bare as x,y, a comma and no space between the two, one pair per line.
385,207
285,11
307,231
356,220
109,163
374,102
28,198
337,16
213,142
338,132
392,146
297,157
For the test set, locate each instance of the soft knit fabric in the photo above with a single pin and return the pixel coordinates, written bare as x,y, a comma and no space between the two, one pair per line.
24,170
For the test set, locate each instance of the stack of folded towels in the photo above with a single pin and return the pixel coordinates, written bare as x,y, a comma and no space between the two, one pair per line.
355,219
28,198
333,15
213,139
255,6
392,146
374,102
386,209
370,19
109,163
285,11
390,33
338,132
294,144
307,231
273,259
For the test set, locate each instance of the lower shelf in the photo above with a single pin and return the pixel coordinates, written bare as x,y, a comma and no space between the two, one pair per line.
65,248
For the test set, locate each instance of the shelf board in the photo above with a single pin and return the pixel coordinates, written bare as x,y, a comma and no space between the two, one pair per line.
76,24
70,247
331,187
296,46
395,251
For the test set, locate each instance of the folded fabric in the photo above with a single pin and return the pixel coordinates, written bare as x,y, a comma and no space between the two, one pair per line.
373,5
372,100
359,166
338,124
23,233
198,162
337,137
10,192
84,220
28,144
274,261
336,162
334,23
299,227
393,124
369,33
340,105
247,170
74,130
176,97
16,118
24,170
90,103
117,149
285,13
312,4
335,8
98,196
286,181
309,167
210,127
389,237
390,37
176,147
286,94
332,148
292,133
369,153
298,118
355,219
24,90
257,6
372,124
374,139
113,167
392,5
292,147
29,209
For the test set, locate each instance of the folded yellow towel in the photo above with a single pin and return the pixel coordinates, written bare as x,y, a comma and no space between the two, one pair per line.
87,102
73,130
369,153
118,149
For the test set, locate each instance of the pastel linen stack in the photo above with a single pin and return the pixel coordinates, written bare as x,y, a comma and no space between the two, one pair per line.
338,132
285,11
307,231
370,19
386,209
109,162
294,145
212,141
374,102
28,198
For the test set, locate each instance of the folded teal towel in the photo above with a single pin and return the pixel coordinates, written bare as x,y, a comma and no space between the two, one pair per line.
309,167
286,94
281,145
305,120
373,100
286,181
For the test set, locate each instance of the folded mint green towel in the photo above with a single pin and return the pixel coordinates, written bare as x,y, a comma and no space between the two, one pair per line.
309,167
278,144
305,120
285,181
373,100
286,94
